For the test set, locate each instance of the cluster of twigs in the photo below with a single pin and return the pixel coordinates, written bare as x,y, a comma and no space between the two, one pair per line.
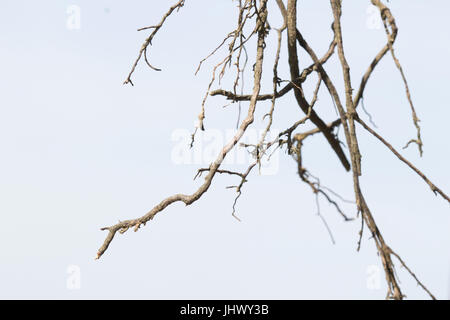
255,14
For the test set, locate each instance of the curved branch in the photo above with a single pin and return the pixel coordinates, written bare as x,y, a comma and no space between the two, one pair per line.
189,199
298,92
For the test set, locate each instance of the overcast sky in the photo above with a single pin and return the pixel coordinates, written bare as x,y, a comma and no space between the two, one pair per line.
80,151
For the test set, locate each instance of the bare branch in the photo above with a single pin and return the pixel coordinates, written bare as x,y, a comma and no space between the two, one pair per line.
189,199
432,186
148,41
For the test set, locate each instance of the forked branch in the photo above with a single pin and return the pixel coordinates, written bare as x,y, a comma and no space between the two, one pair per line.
252,22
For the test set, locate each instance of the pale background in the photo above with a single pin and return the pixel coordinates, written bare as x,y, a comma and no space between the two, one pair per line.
80,151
